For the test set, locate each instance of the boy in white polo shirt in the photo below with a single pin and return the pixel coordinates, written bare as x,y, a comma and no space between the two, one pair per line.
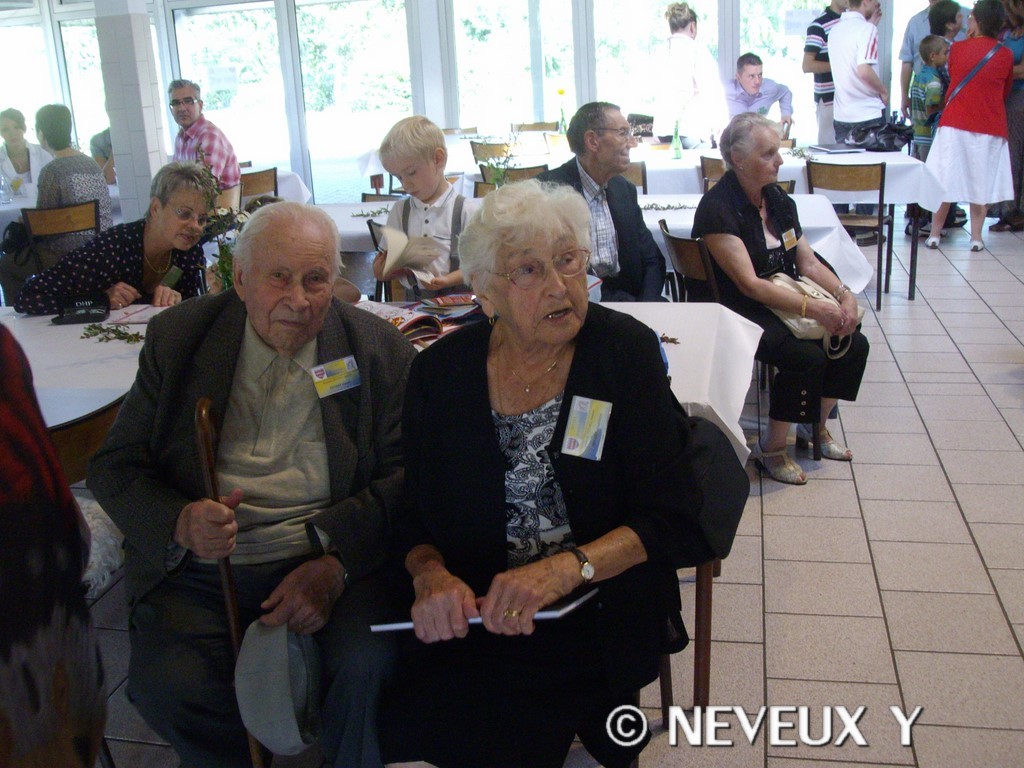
414,152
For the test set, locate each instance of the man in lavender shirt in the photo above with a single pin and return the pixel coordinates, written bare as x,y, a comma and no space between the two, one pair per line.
752,92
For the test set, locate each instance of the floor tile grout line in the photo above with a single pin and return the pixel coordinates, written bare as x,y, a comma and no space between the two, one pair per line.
942,465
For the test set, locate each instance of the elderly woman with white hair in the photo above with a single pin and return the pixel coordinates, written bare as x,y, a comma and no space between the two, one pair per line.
752,231
544,456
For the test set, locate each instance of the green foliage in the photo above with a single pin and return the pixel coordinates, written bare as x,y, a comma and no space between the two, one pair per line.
105,333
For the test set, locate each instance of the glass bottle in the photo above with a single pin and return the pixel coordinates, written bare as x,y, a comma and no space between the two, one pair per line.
677,145
5,189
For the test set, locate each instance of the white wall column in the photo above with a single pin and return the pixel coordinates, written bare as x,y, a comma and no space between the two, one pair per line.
134,103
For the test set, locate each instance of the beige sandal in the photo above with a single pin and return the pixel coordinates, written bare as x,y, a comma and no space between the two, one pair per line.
830,449
780,467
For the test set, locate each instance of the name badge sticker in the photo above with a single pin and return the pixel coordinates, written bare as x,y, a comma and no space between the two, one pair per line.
335,376
587,428
789,239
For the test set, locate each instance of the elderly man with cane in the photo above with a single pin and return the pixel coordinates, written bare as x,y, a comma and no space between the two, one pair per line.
306,394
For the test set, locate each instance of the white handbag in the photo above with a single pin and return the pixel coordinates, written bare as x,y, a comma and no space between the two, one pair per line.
806,327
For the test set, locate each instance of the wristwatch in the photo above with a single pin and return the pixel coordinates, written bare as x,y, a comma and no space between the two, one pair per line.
586,567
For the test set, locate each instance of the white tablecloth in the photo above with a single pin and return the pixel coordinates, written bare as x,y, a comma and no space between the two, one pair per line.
73,377
712,362
821,226
907,179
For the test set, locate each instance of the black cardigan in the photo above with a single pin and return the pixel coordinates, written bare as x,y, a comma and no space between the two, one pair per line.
455,476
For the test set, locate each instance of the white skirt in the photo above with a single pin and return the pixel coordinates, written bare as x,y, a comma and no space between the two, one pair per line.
973,167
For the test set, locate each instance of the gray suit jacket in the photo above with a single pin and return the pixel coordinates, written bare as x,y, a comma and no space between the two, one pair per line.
149,466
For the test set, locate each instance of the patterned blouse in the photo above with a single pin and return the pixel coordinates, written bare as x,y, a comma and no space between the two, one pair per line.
115,256
537,524
69,181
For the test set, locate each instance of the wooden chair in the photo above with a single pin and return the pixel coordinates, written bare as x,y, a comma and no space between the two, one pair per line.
557,143
691,262
83,217
787,143
511,174
259,183
521,127
869,177
711,169
637,173
245,164
373,197
481,188
483,151
384,290
471,131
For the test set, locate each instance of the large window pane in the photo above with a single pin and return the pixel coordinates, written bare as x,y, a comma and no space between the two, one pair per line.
629,43
30,87
82,56
355,85
232,53
776,32
513,59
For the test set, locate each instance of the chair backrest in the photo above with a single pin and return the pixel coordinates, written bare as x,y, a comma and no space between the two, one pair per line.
868,177
712,167
788,185
483,150
376,233
259,183
82,217
558,143
787,143
470,131
383,290
691,261
481,188
636,172
521,127
709,183
373,197
245,164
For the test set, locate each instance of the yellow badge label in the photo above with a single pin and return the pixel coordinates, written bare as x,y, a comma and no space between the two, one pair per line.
587,427
335,376
789,239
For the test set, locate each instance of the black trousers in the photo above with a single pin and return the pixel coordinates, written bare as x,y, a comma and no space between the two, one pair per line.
181,672
805,374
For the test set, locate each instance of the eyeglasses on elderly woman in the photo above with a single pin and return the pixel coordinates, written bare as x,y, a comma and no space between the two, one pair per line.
533,272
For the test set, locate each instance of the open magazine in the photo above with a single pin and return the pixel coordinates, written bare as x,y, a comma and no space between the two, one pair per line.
556,610
422,324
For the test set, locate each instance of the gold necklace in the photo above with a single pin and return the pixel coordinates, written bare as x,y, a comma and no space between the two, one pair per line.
529,384
152,266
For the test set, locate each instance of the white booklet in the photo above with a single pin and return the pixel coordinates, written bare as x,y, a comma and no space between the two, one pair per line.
134,314
556,610
412,253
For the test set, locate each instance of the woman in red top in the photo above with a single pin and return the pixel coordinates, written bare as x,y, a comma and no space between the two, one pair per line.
969,154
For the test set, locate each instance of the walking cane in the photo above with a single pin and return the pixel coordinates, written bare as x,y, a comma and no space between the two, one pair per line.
204,442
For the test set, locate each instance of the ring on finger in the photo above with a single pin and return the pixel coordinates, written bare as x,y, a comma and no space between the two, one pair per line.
511,613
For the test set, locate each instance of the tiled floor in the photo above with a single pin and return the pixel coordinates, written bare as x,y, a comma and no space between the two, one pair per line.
897,580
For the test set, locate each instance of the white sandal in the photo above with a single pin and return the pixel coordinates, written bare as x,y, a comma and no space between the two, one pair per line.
785,470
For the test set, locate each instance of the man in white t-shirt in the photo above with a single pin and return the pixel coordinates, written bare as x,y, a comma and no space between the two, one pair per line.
860,97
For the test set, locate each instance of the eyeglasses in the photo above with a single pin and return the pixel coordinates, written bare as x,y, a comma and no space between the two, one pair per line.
186,214
534,271
188,101
622,133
